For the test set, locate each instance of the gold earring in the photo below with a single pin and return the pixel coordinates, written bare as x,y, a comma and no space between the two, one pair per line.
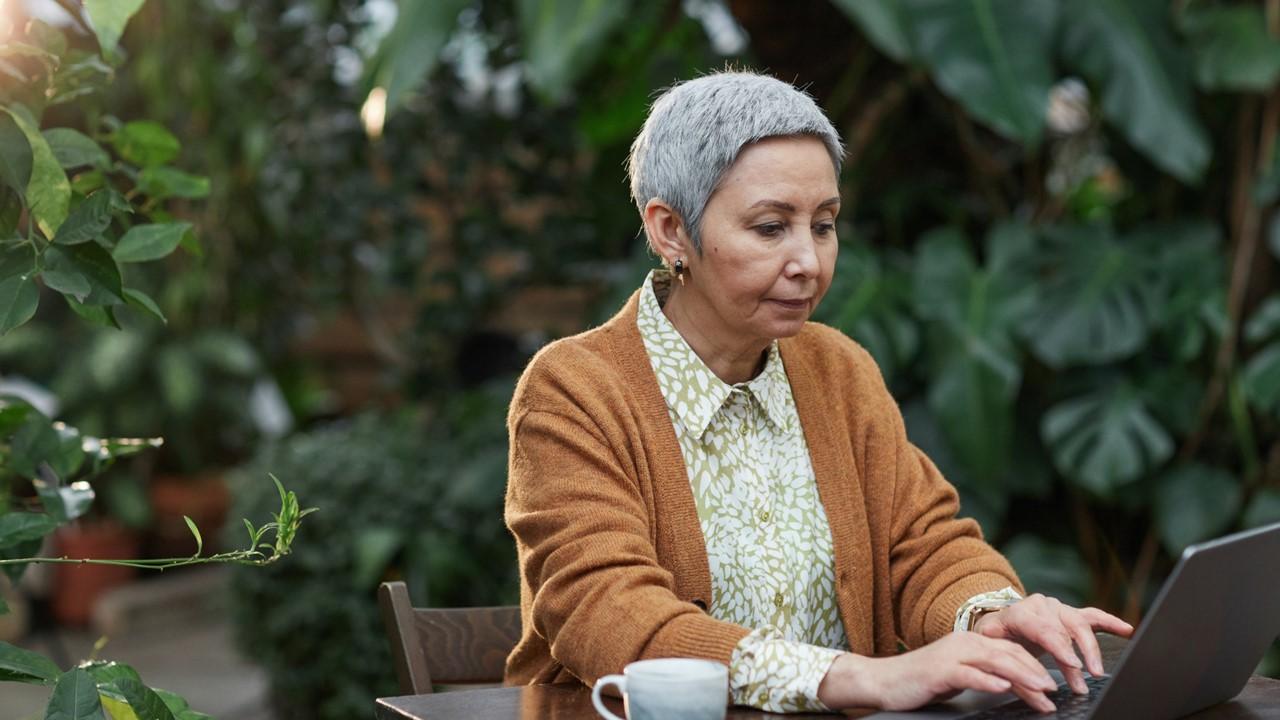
679,268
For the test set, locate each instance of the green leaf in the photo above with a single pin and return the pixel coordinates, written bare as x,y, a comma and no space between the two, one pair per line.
1128,53
18,665
66,502
34,443
1262,379
17,527
15,155
73,149
167,182
75,697
96,314
408,53
149,242
87,221
19,297
974,366
85,271
1264,323
870,303
1194,503
108,672
195,532
144,701
1263,509
562,38
1055,570
1096,302
48,192
26,549
108,18
884,22
1233,50
145,143
1105,439
374,547
175,702
994,57
141,300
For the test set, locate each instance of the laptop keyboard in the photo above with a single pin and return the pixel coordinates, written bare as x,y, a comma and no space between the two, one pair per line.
1069,704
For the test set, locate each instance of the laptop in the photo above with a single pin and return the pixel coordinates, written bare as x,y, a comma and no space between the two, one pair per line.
1202,639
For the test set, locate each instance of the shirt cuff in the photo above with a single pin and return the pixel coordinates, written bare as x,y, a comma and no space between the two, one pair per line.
774,674
967,612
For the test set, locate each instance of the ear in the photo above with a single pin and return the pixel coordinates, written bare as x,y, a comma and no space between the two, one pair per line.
666,231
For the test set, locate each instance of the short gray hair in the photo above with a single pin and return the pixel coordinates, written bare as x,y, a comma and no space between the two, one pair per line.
696,130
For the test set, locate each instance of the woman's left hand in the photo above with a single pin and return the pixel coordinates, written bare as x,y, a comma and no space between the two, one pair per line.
1041,623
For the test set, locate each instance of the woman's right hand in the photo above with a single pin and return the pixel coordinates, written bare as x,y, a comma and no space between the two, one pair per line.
936,672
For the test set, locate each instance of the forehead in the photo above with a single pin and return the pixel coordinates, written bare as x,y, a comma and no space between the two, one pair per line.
797,166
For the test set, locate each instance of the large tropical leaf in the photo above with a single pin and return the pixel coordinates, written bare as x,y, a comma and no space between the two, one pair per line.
75,697
1262,379
406,56
1105,439
974,363
563,37
1127,50
885,24
1096,302
1194,503
1187,271
1263,509
1233,50
18,665
994,57
869,302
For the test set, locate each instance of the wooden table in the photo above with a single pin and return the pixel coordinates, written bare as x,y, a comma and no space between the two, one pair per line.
1260,699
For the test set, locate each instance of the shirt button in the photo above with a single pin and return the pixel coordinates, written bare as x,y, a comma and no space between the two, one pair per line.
779,600
744,430
764,516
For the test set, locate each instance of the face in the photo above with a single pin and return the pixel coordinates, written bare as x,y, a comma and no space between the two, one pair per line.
768,241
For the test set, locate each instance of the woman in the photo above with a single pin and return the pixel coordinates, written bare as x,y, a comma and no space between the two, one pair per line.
710,475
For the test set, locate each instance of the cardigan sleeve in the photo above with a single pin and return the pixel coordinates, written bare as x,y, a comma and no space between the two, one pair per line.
600,598
937,561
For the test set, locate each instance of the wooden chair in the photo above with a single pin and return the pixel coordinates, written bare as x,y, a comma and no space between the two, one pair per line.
446,645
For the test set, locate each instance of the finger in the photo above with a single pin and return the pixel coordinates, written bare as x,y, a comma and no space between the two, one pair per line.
1106,622
1011,662
1075,680
1035,698
968,676
1082,632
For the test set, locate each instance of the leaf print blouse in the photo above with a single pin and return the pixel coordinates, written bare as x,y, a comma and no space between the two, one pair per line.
768,541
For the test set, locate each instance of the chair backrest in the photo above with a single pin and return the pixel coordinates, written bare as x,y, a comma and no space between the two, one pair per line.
446,645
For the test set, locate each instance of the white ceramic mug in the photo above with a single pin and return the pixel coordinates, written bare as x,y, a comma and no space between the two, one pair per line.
669,689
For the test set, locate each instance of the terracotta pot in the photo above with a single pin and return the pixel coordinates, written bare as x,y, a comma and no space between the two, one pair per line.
77,587
204,498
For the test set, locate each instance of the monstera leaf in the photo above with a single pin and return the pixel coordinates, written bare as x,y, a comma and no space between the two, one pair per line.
1128,52
1194,503
1097,300
1043,567
563,37
868,301
974,364
994,57
407,54
1105,439
1187,272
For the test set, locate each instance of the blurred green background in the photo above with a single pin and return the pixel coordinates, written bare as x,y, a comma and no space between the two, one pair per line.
1059,242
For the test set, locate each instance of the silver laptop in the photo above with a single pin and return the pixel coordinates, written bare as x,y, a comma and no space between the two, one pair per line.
1206,632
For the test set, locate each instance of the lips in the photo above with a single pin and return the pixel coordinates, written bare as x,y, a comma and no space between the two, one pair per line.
796,304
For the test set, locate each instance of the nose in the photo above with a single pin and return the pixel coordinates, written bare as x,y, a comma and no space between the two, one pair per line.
802,260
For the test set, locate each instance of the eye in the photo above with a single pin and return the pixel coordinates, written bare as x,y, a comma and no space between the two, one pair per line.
773,229
824,229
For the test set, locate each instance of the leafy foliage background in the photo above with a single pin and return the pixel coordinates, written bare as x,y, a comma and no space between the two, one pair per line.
1059,242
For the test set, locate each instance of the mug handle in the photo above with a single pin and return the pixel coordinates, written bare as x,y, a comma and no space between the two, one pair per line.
620,681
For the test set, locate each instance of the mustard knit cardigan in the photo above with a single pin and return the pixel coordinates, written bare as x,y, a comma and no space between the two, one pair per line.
613,565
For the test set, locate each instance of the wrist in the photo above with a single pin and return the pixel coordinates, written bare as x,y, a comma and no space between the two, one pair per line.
850,682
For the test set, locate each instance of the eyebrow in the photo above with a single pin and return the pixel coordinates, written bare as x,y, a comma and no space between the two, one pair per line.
788,207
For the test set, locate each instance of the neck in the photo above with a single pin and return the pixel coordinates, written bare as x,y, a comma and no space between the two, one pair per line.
731,359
